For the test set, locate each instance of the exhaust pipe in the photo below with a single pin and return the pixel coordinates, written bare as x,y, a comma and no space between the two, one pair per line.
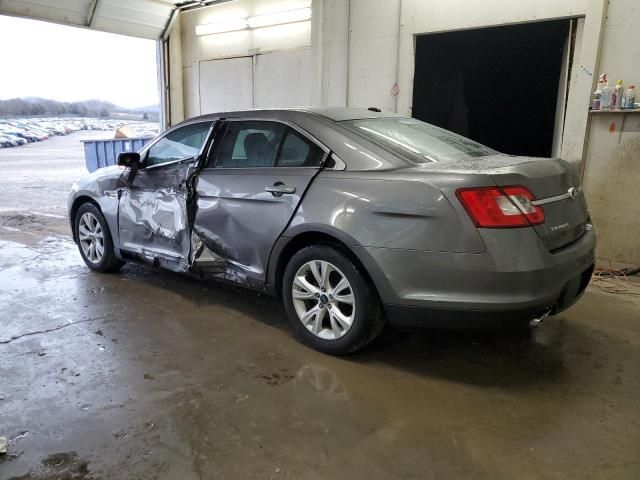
537,321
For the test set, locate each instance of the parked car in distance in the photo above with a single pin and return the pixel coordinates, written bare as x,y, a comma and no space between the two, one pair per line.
353,218
8,140
21,134
15,140
35,129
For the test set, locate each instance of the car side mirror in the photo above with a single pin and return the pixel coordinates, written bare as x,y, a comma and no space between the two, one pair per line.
132,161
129,159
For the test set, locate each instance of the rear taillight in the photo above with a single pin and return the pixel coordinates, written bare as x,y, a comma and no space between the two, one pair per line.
501,207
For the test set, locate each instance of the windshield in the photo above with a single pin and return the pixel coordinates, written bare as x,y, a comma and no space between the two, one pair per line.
418,141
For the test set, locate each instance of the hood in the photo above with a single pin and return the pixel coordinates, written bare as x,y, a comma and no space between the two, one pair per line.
101,174
99,181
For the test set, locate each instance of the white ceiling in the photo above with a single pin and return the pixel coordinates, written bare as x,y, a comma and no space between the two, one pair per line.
138,18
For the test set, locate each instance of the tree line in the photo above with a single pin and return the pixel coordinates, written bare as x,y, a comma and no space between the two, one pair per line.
43,106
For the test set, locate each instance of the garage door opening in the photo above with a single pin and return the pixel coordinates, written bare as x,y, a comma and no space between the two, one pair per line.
504,87
70,100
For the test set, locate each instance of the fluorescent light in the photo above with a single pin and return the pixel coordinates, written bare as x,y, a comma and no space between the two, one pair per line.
231,25
259,21
280,18
299,30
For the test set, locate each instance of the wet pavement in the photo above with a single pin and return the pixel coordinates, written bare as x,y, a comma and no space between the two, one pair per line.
147,374
38,176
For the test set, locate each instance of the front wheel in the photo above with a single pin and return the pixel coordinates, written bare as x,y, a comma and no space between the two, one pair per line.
94,239
333,308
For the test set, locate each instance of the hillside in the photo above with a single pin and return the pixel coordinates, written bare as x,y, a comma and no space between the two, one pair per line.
33,106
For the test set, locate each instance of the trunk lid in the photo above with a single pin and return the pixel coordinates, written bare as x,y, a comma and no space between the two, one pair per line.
550,181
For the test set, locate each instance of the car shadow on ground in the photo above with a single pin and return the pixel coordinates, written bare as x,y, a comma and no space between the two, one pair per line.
480,357
484,358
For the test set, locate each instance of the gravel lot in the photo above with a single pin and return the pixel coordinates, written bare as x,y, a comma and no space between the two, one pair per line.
38,176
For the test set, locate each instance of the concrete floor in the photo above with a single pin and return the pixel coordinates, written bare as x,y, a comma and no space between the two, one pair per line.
146,374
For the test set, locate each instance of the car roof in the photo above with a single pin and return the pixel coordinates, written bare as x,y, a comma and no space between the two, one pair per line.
336,114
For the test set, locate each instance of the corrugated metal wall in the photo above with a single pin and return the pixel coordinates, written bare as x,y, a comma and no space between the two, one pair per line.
138,18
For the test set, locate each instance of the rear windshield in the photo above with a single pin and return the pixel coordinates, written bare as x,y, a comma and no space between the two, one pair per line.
418,141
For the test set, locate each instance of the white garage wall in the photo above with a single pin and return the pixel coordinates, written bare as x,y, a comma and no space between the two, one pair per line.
282,79
226,84
375,38
176,107
191,100
330,46
444,15
612,166
271,85
231,44
273,79
373,53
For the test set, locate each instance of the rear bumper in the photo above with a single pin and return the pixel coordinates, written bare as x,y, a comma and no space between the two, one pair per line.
409,316
515,280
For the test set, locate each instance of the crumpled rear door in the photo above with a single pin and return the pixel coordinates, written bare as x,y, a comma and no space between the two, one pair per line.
239,220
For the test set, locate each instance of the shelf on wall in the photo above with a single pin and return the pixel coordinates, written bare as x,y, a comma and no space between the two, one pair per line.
629,110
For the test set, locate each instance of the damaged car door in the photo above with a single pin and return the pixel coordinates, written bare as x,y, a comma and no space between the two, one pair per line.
152,213
247,192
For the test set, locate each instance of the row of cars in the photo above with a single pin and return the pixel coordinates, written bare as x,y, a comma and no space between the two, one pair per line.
18,131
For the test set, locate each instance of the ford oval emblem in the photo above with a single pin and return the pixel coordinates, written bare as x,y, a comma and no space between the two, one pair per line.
573,193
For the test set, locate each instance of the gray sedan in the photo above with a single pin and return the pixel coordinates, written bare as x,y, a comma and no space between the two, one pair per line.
353,218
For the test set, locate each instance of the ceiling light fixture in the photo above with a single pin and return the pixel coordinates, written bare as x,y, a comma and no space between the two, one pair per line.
280,18
230,25
259,21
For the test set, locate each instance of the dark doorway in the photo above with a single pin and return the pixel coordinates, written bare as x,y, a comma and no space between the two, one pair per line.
498,86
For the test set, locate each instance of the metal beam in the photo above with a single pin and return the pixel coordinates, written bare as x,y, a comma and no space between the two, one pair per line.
163,85
92,13
169,25
197,5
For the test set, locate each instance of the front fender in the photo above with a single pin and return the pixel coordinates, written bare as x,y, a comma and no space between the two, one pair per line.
103,188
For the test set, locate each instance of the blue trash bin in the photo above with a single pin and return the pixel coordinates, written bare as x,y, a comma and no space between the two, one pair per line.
104,152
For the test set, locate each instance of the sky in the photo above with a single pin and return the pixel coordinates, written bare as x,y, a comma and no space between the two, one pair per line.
40,59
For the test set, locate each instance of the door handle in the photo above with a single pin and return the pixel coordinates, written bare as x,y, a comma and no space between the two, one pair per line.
278,189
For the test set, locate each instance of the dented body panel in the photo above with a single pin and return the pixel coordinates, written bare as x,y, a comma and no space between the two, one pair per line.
152,216
103,188
240,222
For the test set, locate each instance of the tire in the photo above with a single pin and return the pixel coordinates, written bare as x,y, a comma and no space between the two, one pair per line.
356,301
95,230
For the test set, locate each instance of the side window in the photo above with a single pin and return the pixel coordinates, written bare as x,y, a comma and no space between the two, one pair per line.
250,144
182,143
297,151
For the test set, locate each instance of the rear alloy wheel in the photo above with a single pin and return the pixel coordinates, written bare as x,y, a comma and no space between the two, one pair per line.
94,239
330,304
323,299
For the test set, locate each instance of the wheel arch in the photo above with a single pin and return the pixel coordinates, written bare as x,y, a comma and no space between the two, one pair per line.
298,238
75,206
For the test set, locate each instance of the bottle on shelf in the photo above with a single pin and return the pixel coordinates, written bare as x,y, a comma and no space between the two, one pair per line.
597,95
607,95
618,94
629,101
